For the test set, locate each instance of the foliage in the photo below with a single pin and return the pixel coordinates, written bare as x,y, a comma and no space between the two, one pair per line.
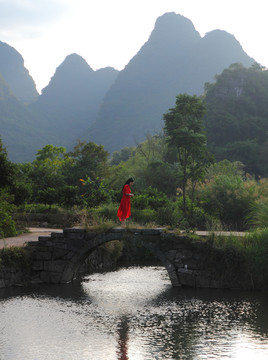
149,165
252,249
69,196
185,131
19,257
6,168
7,224
195,216
53,177
258,216
95,192
256,248
150,198
228,197
236,119
169,215
122,155
86,160
163,176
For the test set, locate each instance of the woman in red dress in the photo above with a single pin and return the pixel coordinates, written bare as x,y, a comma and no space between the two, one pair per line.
124,210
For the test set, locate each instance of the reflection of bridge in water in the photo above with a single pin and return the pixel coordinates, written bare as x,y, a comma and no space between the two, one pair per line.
57,258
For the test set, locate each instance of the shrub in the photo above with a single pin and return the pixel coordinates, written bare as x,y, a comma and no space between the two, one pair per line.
150,198
169,215
7,224
256,248
229,198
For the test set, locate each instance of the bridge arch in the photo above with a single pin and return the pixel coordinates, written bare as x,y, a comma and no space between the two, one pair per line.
57,258
141,239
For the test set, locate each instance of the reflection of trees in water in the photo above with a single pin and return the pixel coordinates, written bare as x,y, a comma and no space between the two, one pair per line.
123,329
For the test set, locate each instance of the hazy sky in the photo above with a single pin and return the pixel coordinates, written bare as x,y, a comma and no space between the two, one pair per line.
111,32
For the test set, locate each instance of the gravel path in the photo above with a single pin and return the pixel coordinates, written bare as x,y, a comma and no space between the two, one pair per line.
24,238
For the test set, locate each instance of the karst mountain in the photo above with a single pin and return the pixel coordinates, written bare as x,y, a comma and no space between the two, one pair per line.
109,107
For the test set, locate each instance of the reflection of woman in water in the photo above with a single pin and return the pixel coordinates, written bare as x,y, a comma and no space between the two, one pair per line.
124,210
123,339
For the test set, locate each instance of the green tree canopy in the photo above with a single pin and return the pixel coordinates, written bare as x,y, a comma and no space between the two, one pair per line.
185,130
236,118
7,170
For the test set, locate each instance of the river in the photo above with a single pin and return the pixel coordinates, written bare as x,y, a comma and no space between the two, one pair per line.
131,314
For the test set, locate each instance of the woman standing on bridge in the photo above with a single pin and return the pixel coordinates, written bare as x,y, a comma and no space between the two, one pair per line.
124,210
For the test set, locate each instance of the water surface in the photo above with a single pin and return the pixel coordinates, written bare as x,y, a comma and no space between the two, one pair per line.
131,314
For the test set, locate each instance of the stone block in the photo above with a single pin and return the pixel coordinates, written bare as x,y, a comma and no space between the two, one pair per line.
75,244
74,233
155,231
192,264
121,230
58,240
202,279
186,254
186,277
57,235
60,245
178,263
69,255
174,278
44,240
90,235
59,253
32,244
42,255
37,265
50,277
171,254
56,266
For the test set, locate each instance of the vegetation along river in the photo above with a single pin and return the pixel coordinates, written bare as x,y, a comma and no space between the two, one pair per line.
131,314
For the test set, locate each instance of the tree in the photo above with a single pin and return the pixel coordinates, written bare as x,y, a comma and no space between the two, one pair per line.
7,171
185,131
87,160
46,173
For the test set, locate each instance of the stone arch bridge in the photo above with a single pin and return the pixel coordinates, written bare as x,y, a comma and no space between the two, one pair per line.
56,258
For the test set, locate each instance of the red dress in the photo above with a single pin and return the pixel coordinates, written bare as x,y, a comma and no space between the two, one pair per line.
124,210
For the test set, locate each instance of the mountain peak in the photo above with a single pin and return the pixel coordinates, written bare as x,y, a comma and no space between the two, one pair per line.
15,74
172,26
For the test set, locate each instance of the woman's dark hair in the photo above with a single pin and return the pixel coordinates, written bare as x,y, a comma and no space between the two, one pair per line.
128,181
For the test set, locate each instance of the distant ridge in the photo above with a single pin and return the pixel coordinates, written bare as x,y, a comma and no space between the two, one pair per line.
174,60
72,99
16,75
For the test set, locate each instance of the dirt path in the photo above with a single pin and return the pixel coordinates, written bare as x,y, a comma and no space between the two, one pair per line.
24,238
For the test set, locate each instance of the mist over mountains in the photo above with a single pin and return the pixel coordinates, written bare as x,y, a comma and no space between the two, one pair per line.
106,106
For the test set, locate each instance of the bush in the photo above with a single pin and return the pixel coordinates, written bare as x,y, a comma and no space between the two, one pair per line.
256,248
143,217
106,211
169,215
196,217
7,224
228,198
150,198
